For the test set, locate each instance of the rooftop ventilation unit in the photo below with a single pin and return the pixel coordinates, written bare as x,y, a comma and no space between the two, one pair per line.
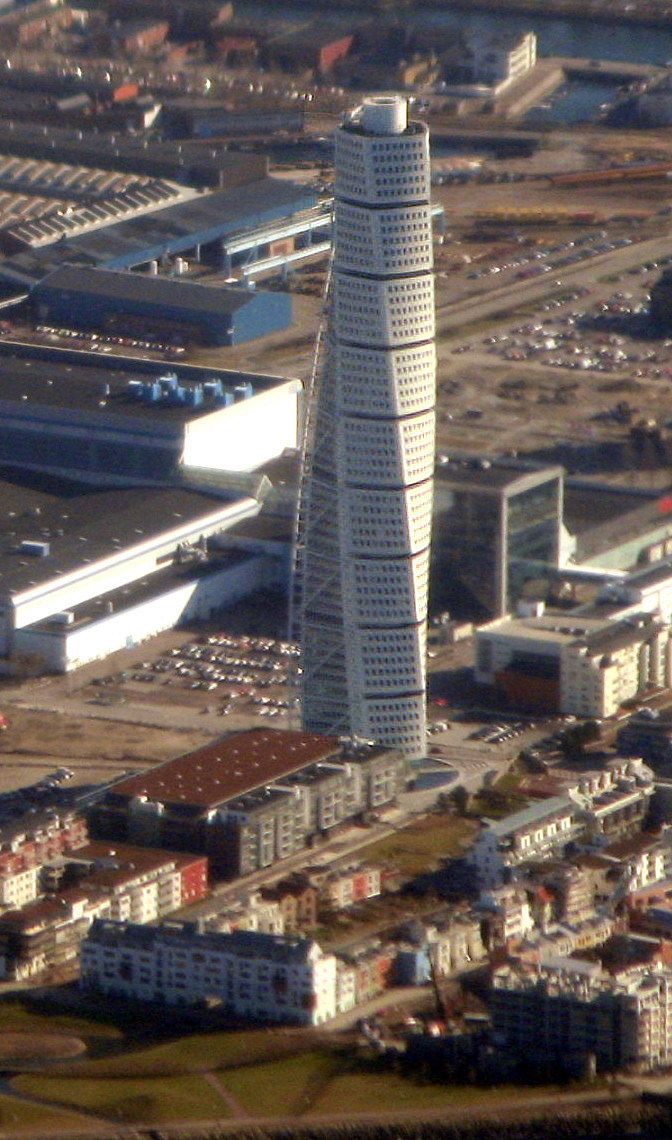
35,548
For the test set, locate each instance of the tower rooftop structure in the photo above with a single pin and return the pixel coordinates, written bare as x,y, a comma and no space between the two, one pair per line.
366,502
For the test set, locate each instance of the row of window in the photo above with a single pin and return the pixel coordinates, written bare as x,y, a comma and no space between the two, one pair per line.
411,260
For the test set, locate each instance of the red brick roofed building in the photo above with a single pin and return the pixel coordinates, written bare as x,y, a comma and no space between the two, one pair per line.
142,883
250,799
228,767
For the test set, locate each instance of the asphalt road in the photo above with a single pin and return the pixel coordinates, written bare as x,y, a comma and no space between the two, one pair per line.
512,294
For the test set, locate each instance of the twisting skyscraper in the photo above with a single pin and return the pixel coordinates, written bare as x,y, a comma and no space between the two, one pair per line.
366,501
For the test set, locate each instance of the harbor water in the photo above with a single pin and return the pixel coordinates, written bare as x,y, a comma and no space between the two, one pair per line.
576,101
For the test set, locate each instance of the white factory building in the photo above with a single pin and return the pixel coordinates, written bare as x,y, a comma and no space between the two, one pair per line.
122,422
88,573
120,480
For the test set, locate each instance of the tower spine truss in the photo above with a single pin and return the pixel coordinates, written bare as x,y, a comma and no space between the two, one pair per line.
366,501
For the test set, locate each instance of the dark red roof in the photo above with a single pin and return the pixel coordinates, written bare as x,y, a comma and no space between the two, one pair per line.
229,767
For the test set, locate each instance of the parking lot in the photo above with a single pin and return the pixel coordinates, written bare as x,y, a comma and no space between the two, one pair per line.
240,675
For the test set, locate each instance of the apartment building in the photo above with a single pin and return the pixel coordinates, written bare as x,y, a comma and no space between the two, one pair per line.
573,1010
455,944
46,934
95,881
603,805
297,899
33,839
18,887
251,798
574,663
264,977
366,504
342,889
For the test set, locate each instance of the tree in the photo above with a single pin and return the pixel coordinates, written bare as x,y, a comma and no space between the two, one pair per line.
460,798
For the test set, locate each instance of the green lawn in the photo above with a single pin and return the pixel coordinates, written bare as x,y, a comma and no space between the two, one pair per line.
197,1053
386,1091
420,846
131,1100
318,1081
379,1092
20,1116
14,1015
281,1088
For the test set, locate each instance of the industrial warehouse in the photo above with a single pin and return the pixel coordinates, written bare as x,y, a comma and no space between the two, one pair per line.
162,307
85,572
227,227
118,490
119,421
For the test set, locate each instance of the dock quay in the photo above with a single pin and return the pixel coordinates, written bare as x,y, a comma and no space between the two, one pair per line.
549,73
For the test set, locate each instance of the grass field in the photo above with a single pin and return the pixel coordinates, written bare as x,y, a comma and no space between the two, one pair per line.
282,1088
197,1053
16,1016
131,1100
20,1116
420,846
220,1075
319,1081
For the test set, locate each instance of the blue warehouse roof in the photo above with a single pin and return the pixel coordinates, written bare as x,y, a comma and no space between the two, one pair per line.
166,292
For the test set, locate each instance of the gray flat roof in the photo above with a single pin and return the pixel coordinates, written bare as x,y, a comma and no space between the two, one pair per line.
134,593
40,377
266,527
81,524
604,518
154,290
172,229
202,161
650,576
520,820
493,474
618,634
247,944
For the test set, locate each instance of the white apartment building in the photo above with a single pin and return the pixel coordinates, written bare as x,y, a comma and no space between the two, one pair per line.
366,503
19,887
499,60
610,665
571,1009
586,665
510,906
342,889
604,804
264,977
535,832
249,912
455,945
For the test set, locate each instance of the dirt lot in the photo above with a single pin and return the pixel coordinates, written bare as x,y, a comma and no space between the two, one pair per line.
136,708
39,741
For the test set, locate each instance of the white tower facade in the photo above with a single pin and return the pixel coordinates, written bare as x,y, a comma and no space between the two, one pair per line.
367,488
